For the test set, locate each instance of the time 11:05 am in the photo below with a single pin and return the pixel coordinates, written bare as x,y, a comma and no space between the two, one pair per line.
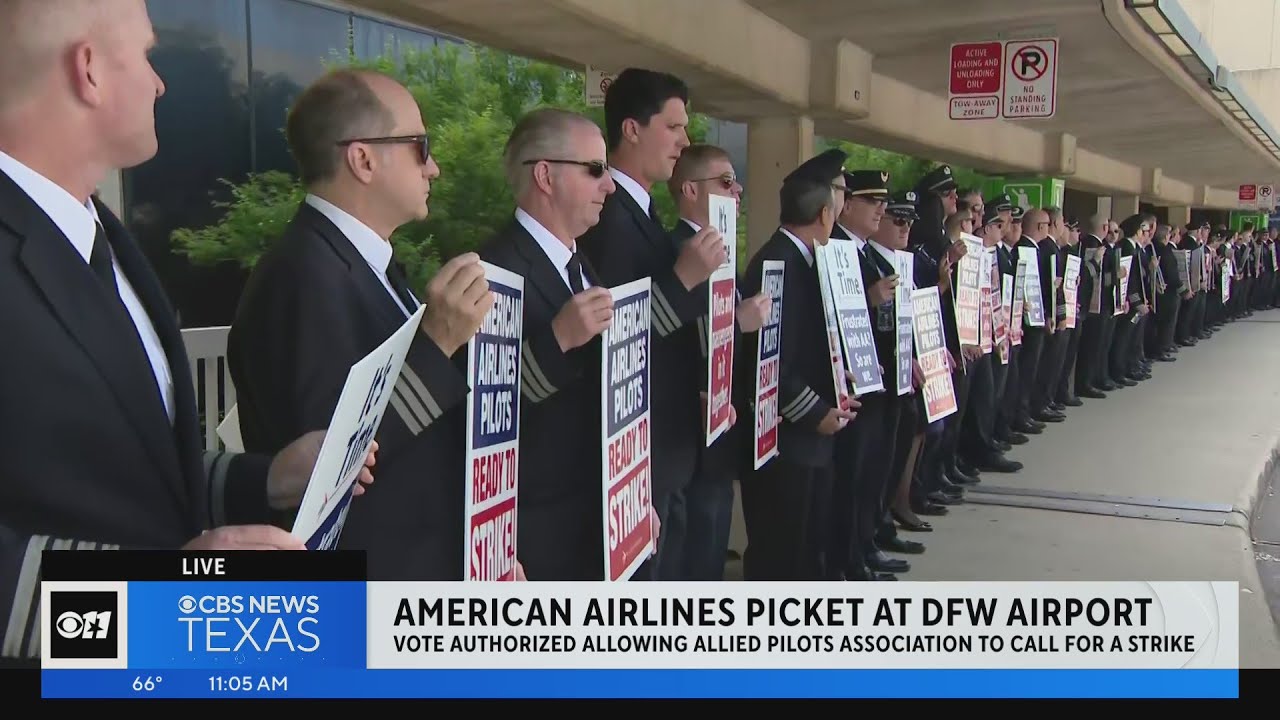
248,683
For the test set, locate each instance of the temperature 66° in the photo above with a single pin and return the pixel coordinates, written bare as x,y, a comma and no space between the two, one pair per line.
147,684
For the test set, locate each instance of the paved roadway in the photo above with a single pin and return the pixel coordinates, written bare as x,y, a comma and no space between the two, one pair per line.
1156,482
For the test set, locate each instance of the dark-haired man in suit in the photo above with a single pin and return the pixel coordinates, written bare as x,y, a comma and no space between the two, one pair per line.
329,292
645,124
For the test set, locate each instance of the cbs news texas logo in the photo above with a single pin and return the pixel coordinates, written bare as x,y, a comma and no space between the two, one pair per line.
83,625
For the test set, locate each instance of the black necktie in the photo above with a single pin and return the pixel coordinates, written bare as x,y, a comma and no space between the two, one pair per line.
400,285
653,213
100,261
575,273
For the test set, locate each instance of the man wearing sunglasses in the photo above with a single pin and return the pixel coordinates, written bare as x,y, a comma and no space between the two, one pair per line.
330,291
704,171
645,125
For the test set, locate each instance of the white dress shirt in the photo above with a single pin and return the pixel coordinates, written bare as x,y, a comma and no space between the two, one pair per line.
79,224
637,193
375,251
804,249
555,249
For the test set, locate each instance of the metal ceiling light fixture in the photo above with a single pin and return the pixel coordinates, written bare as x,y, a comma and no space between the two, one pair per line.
1170,24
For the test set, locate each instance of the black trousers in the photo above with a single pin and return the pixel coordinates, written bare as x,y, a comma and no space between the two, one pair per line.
1171,312
1066,388
977,430
778,502
1010,393
863,460
1033,344
951,430
1051,360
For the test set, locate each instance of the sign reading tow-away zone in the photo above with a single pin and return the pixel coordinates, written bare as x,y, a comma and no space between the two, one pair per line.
1013,79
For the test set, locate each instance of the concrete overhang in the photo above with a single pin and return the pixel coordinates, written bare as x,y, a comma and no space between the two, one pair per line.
1130,119
1124,107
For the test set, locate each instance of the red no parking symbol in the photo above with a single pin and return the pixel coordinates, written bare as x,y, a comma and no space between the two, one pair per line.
1030,63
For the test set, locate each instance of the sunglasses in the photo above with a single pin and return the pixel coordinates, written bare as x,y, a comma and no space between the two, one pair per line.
901,222
595,168
727,180
422,141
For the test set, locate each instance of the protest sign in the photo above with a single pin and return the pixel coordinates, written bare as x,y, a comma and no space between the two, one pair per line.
624,427
931,347
722,303
352,428
768,361
905,264
848,295
493,432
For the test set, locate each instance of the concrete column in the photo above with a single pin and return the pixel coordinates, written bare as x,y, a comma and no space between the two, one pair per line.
1179,215
775,146
111,192
1122,206
1104,206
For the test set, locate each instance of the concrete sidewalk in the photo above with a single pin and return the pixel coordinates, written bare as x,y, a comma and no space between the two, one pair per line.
1156,482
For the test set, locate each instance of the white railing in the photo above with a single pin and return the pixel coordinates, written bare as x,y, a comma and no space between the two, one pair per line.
215,393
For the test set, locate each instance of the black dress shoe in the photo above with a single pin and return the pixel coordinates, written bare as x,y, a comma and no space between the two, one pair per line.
962,478
966,468
1057,407
917,526
1017,438
1073,402
899,545
1001,464
1108,386
1049,416
881,562
1002,446
940,498
929,509
1026,428
1091,393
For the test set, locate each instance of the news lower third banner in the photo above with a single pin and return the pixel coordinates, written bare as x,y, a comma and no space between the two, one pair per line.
170,625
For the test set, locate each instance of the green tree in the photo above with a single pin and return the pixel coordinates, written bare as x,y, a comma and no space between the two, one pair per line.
904,170
471,97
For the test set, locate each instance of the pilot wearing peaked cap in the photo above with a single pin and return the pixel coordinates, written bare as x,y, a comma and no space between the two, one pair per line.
939,180
826,167
869,184
992,213
903,205
1000,203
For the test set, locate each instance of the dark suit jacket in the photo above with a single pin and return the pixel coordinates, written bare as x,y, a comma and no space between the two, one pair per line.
91,459
627,245
560,534
805,389
313,308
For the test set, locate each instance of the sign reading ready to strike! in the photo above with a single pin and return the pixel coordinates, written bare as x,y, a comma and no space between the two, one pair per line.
931,347
355,422
768,358
722,304
628,485
493,432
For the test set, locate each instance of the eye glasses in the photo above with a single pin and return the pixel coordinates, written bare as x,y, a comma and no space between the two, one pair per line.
727,180
901,222
595,168
422,141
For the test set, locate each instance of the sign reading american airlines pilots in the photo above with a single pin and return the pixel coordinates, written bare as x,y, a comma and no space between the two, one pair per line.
722,303
624,425
844,282
355,422
768,364
493,432
1011,79
931,348
968,291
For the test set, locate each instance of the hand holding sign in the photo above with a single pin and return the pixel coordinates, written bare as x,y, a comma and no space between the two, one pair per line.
246,537
292,467
884,290
585,316
457,300
753,312
700,256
